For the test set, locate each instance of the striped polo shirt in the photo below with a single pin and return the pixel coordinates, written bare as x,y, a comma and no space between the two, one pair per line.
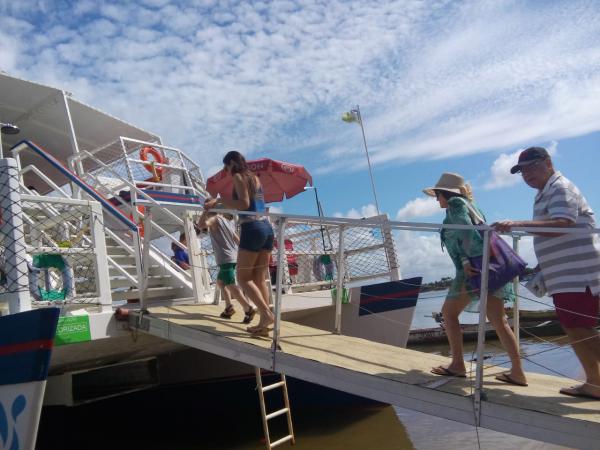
571,262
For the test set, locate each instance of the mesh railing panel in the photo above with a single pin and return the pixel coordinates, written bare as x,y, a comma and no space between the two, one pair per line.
46,246
141,171
122,161
111,154
60,251
311,255
13,261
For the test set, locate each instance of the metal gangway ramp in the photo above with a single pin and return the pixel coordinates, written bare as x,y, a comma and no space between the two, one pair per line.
385,373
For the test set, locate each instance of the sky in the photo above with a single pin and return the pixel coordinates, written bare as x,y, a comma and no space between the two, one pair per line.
459,86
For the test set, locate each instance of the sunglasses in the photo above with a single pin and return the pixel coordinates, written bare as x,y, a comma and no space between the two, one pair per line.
531,166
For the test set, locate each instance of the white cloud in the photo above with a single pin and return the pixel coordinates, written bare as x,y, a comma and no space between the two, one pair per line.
365,211
9,50
434,79
420,254
500,171
275,209
419,207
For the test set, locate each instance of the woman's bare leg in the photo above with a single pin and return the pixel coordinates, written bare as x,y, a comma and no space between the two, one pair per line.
261,274
450,312
236,292
495,313
259,277
246,265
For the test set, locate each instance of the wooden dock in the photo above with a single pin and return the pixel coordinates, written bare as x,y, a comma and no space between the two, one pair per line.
385,373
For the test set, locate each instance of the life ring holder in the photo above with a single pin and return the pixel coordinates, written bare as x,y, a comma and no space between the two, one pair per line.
150,166
43,262
323,267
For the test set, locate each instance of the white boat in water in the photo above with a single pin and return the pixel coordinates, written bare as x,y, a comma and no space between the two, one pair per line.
97,203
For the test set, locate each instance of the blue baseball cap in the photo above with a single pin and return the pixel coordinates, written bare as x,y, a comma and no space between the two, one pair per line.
529,156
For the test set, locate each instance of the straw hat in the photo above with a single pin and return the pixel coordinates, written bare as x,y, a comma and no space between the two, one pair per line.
451,182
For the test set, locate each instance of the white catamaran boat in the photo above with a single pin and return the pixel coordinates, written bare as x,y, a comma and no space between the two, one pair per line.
100,201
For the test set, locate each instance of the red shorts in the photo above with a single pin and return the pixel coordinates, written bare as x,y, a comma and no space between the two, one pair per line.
577,309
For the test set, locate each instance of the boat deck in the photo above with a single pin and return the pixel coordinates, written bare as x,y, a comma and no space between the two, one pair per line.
385,373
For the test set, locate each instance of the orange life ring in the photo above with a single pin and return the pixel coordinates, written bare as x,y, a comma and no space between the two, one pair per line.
157,157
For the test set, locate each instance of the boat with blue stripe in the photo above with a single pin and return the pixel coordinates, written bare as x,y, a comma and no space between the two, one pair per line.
26,341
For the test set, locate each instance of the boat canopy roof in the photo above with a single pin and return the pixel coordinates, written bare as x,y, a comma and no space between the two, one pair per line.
40,113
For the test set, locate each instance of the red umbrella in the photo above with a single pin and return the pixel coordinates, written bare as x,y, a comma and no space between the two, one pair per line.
279,179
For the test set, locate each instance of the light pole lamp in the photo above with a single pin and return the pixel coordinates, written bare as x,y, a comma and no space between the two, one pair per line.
6,128
354,116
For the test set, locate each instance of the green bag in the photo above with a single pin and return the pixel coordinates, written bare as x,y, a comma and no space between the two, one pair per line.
345,295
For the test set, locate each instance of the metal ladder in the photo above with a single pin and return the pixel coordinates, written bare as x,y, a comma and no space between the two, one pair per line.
266,417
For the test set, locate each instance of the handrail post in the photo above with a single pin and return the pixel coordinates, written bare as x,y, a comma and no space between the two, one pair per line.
11,227
137,254
145,265
483,296
340,281
194,254
516,314
100,254
390,248
278,285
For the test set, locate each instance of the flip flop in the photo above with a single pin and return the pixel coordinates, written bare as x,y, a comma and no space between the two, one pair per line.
506,378
228,312
443,371
576,391
249,315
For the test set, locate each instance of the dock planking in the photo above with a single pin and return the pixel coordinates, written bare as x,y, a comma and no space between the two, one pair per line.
386,373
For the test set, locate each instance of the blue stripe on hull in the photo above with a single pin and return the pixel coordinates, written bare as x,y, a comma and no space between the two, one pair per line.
28,326
25,345
24,367
389,296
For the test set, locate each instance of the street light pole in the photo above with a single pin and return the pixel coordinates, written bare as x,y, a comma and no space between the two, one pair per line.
319,212
319,207
354,116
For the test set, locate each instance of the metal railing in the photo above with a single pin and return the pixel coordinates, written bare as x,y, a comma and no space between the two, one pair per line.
52,249
342,278
127,225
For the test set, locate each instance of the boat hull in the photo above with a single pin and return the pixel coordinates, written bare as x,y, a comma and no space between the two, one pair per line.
26,341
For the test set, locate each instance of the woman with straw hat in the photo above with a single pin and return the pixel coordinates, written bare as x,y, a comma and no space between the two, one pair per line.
455,196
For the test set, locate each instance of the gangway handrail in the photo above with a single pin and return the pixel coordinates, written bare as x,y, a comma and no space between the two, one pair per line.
407,226
78,181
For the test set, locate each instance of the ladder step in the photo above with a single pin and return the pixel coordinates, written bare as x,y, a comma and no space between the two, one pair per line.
277,413
283,440
273,386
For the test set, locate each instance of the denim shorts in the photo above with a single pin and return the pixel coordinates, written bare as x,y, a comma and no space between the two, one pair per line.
256,236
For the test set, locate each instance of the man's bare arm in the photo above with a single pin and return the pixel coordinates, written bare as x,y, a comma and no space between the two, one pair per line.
507,225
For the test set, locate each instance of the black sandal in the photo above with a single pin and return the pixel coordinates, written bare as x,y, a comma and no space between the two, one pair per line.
249,315
228,312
